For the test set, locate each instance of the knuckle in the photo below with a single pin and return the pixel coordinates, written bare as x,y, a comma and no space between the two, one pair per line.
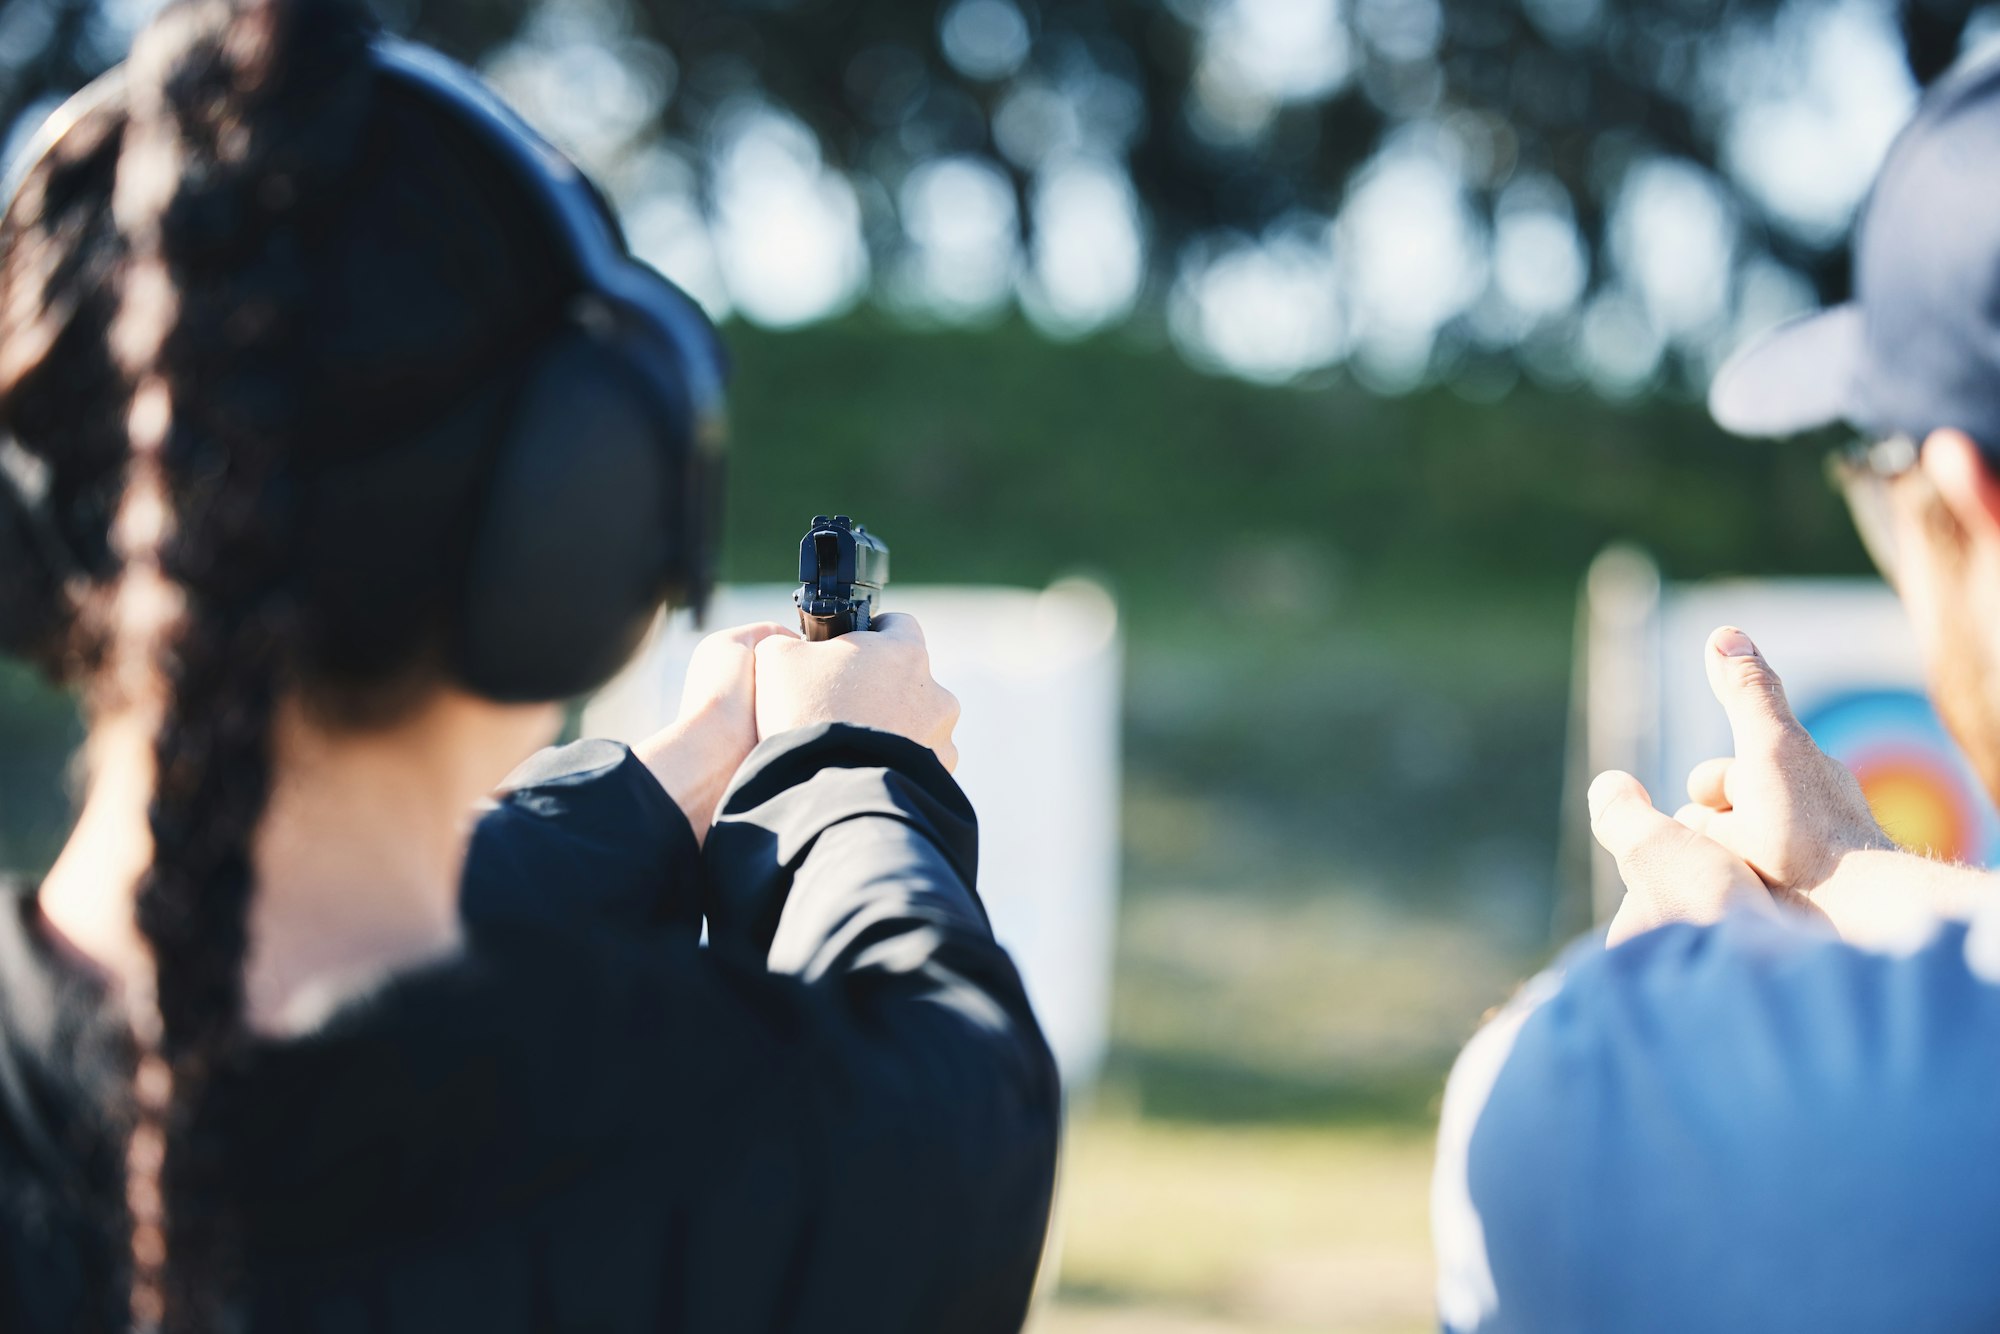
1757,680
1750,673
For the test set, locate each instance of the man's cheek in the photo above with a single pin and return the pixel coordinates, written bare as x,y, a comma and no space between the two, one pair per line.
1930,584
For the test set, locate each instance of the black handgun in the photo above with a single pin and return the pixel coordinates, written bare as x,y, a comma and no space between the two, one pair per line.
843,569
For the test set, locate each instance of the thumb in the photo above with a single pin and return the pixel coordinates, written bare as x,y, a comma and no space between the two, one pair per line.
898,625
1622,815
1671,872
1760,717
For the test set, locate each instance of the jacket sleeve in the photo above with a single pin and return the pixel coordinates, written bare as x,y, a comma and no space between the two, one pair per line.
583,835
911,1073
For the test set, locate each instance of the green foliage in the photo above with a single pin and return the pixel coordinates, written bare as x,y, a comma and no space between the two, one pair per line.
999,456
1337,603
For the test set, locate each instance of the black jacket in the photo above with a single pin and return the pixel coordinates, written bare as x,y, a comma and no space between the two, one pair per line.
837,1115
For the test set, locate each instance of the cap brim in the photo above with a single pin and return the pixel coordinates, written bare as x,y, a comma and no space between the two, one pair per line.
1796,378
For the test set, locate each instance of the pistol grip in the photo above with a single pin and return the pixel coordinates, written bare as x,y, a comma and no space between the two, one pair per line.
856,615
818,629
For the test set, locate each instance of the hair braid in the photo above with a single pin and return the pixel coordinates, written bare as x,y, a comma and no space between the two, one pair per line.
238,113
205,312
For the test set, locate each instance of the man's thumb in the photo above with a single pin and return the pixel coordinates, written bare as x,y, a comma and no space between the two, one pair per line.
1760,717
1622,815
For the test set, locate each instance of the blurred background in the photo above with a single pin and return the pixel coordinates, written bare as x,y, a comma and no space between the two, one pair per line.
1336,338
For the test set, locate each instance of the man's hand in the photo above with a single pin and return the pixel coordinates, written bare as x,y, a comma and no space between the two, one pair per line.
696,755
1671,873
1782,804
879,678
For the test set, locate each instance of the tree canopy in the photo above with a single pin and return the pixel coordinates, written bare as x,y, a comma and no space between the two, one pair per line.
1467,188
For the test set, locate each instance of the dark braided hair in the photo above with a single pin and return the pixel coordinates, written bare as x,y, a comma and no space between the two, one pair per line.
235,117
243,268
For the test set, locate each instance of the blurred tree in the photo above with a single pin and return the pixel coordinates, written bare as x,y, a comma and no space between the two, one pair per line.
1464,184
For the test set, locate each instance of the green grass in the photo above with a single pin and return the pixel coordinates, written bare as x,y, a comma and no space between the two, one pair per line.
1177,1229
1330,1009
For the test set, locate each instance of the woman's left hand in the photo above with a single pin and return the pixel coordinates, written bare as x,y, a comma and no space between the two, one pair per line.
696,755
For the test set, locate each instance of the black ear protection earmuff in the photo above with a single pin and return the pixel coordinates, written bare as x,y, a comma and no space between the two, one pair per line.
602,500
601,490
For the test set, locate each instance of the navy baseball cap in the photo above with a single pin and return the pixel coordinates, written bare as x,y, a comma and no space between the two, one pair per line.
1918,349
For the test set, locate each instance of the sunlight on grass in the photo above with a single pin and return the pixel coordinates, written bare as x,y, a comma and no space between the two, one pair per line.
1246,1002
1188,1229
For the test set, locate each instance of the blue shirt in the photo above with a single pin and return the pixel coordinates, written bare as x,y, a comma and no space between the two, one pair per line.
1738,1127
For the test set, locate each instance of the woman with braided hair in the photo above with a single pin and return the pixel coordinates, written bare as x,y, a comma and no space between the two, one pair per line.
338,437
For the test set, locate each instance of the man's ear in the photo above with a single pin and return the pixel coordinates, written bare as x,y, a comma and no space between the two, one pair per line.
1966,482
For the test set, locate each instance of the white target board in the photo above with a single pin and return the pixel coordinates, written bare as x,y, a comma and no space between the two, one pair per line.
1851,671
1039,676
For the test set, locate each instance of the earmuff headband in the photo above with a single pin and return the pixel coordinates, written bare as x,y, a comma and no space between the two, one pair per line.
604,265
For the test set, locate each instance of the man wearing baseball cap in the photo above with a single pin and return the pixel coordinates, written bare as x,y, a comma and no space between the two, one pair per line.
1773,1103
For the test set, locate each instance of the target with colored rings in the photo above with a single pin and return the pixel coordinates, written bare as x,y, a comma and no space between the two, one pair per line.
1921,789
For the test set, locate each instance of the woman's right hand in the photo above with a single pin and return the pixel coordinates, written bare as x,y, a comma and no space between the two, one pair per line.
880,678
